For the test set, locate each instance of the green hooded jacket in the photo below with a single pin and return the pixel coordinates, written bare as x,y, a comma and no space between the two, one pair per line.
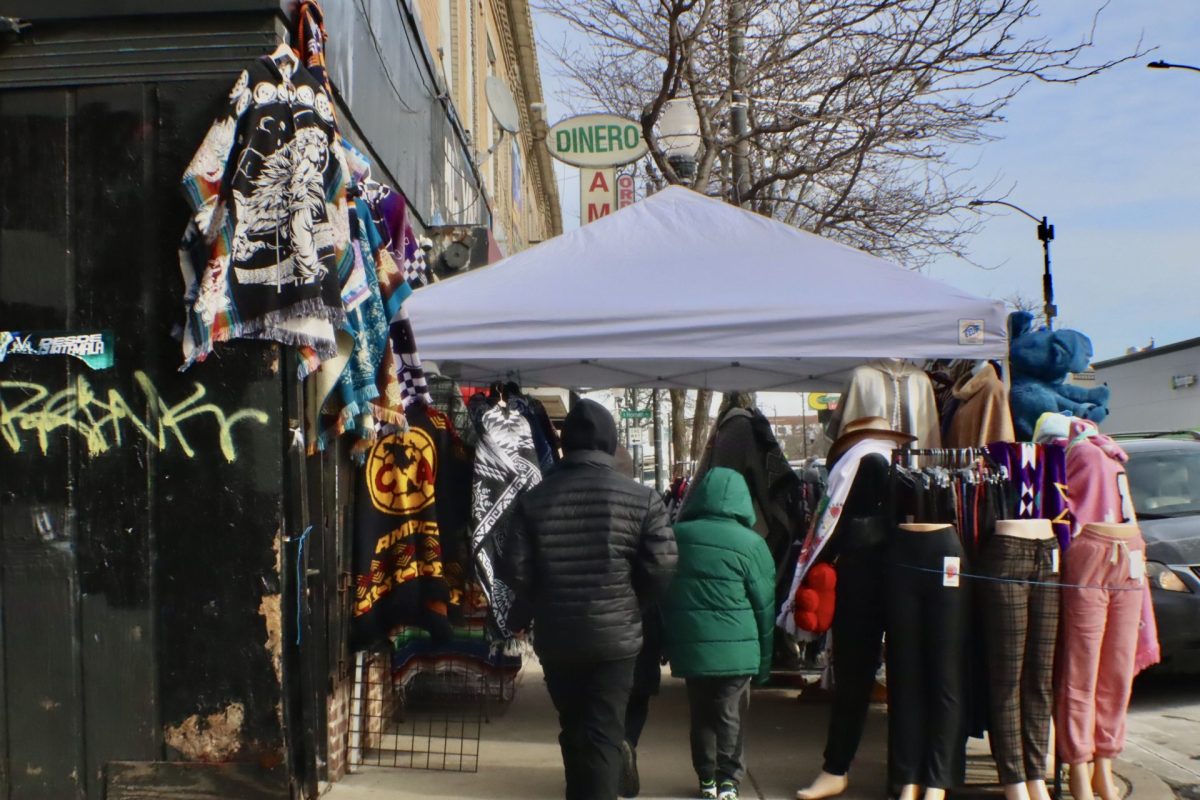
719,613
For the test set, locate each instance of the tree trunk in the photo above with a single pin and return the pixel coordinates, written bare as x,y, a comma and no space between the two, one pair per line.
701,423
678,432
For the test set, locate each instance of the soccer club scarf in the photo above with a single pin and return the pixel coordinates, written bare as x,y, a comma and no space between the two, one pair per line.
398,564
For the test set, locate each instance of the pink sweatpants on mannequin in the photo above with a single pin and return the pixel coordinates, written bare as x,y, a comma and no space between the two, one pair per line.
1099,634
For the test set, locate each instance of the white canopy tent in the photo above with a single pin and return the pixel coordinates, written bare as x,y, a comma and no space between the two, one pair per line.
684,291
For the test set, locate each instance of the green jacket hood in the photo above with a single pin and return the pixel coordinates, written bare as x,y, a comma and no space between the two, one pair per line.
720,493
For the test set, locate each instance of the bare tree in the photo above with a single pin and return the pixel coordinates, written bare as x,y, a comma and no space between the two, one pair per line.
853,105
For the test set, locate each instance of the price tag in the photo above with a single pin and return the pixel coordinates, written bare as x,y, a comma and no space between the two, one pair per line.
1137,565
951,571
1054,561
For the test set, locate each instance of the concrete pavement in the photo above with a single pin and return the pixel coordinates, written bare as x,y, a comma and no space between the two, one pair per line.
519,757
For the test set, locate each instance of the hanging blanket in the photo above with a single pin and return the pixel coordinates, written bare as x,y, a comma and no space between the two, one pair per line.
268,231
506,464
398,566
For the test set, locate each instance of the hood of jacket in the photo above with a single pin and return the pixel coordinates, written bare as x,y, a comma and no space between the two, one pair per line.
970,385
589,426
721,493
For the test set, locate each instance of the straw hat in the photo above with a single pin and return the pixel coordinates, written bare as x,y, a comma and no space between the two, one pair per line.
865,428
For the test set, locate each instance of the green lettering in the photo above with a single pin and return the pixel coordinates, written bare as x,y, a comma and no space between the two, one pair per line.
632,135
614,137
587,140
601,141
562,141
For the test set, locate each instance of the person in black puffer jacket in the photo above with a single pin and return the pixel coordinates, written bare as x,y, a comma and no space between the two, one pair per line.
587,550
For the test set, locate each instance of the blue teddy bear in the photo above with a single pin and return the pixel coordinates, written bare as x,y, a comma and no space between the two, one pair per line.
1041,360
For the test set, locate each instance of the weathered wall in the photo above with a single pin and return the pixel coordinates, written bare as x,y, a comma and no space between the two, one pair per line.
142,510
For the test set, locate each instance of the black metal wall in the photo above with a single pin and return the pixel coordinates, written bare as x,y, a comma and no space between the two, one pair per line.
143,512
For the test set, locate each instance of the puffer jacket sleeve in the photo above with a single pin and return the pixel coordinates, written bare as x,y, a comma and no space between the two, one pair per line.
517,567
760,588
657,554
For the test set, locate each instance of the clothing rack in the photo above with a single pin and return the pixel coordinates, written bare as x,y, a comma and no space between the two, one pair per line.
941,457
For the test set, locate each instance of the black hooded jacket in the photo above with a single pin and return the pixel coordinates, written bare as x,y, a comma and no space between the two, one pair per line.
587,549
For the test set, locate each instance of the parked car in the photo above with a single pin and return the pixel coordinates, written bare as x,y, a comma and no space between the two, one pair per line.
1164,482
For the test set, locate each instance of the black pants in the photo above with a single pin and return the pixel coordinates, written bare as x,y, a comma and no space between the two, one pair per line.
636,713
926,636
859,619
647,676
590,700
1021,631
718,713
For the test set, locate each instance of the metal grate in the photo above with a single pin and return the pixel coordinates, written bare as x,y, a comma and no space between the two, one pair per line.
428,717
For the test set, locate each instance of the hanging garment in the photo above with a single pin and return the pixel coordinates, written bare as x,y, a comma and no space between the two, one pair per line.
398,566
982,415
744,442
897,391
351,402
841,479
1038,475
454,475
310,38
269,229
1100,640
506,466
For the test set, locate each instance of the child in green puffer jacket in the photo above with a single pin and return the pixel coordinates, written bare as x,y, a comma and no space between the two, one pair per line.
719,621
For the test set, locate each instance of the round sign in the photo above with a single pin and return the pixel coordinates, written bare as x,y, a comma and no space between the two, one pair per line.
596,140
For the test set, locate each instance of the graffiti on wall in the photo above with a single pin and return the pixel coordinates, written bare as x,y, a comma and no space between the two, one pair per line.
106,420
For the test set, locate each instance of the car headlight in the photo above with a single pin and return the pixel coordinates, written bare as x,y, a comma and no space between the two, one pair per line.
1162,577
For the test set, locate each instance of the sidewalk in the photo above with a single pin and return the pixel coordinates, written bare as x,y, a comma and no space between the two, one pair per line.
519,756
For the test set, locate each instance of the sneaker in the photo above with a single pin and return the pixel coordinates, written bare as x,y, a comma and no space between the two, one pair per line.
708,790
631,784
728,791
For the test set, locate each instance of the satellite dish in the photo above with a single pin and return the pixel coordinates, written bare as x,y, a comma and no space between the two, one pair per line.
456,256
502,104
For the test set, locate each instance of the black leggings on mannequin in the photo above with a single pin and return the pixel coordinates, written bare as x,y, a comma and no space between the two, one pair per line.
927,628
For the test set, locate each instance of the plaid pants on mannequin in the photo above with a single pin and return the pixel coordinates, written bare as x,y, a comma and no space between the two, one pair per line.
1022,629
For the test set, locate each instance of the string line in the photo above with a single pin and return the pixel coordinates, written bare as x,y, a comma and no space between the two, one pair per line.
1052,584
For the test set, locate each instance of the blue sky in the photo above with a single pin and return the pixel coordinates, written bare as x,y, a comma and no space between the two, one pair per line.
1113,162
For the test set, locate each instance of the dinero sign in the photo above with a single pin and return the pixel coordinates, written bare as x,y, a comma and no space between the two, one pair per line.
596,140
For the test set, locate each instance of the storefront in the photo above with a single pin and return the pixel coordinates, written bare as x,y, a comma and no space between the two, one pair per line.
173,615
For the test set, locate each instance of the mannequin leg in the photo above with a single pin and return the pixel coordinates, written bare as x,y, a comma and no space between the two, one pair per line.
1081,782
1103,783
934,794
909,792
825,785
1037,790
1016,791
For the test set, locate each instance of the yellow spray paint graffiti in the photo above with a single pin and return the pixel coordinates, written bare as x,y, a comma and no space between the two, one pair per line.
105,420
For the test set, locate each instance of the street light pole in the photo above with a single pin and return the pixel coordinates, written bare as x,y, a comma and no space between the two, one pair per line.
1045,234
1165,65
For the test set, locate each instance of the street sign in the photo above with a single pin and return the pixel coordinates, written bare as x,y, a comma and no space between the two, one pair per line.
597,193
636,413
596,140
823,402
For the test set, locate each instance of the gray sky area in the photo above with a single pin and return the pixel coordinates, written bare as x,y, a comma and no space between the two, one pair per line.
1113,162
